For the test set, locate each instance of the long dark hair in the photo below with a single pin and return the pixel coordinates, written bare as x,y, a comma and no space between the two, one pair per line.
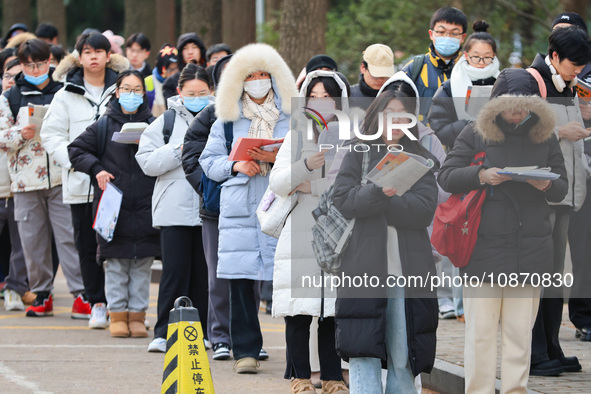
396,91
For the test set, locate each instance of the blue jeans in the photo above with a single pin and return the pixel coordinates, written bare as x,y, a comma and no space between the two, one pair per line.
365,373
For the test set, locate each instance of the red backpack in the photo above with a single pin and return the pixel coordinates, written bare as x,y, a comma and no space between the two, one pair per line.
455,226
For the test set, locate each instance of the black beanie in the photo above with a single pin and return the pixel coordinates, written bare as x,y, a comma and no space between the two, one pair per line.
319,61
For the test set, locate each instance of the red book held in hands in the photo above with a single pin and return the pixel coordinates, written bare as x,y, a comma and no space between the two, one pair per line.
243,145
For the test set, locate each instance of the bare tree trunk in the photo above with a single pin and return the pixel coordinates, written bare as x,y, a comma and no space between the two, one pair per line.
204,17
165,24
578,6
140,17
238,22
54,12
15,11
302,32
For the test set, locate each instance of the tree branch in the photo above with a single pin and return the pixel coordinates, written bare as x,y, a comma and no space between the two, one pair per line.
534,18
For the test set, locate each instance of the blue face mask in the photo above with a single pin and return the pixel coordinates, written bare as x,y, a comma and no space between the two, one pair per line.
130,101
36,80
446,46
195,104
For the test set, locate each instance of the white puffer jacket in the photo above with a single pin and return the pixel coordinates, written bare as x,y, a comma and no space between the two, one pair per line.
72,110
294,259
174,202
4,176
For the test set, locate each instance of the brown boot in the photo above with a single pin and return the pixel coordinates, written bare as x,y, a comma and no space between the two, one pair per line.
118,327
137,325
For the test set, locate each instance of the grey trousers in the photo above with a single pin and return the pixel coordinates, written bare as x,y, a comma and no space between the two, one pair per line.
127,284
37,214
218,313
17,271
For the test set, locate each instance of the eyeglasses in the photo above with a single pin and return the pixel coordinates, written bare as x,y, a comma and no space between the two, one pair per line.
441,33
127,89
478,59
8,77
203,93
33,66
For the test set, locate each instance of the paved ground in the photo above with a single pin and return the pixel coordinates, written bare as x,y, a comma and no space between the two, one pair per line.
61,355
450,347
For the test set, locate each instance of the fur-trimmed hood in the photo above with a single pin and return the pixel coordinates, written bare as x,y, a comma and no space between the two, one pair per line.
517,90
541,131
248,59
71,62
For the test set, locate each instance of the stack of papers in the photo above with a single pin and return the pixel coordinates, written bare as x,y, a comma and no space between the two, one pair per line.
130,133
522,174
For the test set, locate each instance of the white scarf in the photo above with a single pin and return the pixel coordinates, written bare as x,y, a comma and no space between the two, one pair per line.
461,78
263,118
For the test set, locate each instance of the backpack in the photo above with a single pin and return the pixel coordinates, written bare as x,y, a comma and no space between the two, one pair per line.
538,77
14,96
103,124
417,66
456,222
211,190
332,231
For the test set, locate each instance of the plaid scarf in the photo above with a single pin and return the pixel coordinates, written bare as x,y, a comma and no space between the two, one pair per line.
263,118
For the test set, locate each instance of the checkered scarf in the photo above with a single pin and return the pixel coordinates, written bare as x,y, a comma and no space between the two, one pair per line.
263,119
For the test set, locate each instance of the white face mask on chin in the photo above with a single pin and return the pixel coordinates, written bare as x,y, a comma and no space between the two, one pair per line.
257,88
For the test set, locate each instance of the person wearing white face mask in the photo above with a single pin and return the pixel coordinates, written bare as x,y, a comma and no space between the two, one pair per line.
478,66
303,172
130,254
252,100
39,208
175,203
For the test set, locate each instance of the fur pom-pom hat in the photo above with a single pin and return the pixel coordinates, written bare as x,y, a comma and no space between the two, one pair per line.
248,59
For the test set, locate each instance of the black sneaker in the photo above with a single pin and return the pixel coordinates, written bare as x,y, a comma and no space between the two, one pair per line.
263,355
584,334
546,368
570,364
221,351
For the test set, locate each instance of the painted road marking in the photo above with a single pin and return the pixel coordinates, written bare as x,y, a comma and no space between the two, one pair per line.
19,380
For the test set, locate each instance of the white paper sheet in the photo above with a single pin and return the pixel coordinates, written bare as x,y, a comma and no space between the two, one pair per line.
107,212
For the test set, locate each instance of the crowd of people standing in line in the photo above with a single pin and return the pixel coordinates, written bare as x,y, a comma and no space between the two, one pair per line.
185,202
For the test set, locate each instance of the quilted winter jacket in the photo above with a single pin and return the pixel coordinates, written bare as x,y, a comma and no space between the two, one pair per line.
244,252
69,114
174,202
31,167
515,232
566,108
134,236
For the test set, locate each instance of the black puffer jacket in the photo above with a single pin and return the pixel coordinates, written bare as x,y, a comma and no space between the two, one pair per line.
195,141
134,235
361,321
443,118
515,233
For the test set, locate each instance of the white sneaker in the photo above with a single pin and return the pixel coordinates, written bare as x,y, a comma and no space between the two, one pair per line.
12,301
207,344
158,345
98,316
